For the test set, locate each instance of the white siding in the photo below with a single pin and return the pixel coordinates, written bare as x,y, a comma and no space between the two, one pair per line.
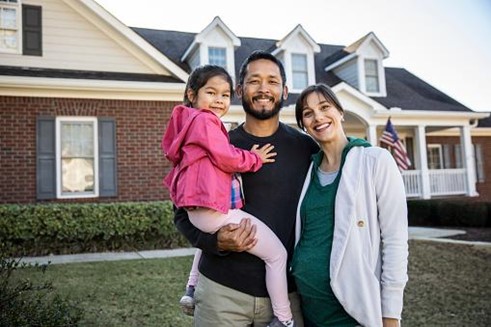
349,72
70,41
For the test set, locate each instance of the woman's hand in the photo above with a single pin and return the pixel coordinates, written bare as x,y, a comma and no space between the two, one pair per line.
264,152
390,322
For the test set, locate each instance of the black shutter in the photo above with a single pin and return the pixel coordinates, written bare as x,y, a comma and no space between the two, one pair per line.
45,158
32,40
107,157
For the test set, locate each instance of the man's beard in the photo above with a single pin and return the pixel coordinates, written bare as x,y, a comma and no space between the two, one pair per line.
261,114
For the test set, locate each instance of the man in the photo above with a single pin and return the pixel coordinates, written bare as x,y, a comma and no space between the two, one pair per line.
232,290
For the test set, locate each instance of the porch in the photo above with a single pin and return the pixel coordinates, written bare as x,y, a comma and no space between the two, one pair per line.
437,182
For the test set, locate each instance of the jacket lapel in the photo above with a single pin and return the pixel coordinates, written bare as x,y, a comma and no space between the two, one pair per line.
345,206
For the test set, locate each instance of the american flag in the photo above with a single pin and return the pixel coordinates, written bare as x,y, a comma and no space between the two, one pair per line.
390,138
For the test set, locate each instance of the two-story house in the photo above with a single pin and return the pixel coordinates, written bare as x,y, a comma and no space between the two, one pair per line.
84,101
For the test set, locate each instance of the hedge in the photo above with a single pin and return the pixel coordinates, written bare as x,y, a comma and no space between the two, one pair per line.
449,213
76,228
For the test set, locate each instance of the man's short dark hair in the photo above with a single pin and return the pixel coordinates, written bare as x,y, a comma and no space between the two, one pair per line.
257,55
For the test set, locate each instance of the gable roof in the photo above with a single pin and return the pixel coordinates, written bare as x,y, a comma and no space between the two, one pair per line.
409,92
404,90
89,8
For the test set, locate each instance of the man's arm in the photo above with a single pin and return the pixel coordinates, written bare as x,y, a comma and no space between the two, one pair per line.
232,237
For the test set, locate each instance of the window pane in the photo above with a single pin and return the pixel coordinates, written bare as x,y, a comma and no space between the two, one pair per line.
217,56
434,157
8,18
77,139
8,39
480,176
299,71
77,175
299,62
371,75
300,80
77,156
371,67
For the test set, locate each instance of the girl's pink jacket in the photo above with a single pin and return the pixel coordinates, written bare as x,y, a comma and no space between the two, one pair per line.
197,144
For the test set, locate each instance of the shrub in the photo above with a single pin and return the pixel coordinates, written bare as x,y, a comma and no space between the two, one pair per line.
448,213
23,303
75,228
419,213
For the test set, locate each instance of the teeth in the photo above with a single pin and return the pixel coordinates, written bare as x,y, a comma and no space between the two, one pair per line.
322,126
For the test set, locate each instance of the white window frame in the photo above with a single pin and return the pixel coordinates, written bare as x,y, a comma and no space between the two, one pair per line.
305,71
18,28
437,147
59,193
224,58
377,75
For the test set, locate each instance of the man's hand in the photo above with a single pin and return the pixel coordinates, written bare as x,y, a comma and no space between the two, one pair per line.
237,237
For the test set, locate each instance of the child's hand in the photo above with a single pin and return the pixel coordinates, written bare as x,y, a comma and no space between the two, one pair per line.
264,152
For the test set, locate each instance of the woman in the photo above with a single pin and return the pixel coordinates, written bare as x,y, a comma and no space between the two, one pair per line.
350,259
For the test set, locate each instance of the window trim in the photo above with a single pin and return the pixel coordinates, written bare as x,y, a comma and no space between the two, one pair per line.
79,195
18,29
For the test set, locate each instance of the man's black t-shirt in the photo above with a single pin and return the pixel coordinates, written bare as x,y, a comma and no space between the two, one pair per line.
271,194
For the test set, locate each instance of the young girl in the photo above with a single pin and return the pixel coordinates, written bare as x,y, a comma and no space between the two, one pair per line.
202,177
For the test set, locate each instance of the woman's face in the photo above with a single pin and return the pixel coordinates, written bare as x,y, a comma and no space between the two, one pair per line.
322,120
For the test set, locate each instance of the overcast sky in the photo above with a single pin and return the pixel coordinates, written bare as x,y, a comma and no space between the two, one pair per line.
447,43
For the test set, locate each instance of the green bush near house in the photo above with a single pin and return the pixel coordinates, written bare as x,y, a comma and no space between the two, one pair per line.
28,230
448,213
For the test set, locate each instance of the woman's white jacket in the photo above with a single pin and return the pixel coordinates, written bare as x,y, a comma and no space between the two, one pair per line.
370,246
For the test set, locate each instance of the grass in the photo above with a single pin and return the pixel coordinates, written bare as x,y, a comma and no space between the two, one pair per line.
450,285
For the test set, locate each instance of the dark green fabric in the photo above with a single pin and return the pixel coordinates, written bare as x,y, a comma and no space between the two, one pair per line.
311,259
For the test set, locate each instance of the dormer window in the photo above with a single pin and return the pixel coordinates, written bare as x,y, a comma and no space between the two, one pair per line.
217,56
300,74
371,76
10,26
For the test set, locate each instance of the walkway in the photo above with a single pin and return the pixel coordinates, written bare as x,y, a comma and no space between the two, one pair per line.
421,233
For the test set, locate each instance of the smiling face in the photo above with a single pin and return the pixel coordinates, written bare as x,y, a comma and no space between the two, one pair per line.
215,95
322,119
262,91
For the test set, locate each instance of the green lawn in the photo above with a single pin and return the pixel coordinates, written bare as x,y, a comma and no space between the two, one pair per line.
450,285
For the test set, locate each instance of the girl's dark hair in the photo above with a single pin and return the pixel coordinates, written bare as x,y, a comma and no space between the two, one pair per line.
257,55
200,75
321,89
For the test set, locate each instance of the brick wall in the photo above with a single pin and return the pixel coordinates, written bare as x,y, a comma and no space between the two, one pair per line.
139,129
483,188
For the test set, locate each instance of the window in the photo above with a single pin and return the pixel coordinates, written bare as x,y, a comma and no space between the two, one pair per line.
480,176
10,24
217,56
75,157
371,76
458,156
434,152
299,71
20,31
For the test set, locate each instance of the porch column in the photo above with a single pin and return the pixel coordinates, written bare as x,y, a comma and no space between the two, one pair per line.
468,159
423,161
372,134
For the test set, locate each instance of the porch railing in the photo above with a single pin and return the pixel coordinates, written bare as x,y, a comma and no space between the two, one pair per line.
442,182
